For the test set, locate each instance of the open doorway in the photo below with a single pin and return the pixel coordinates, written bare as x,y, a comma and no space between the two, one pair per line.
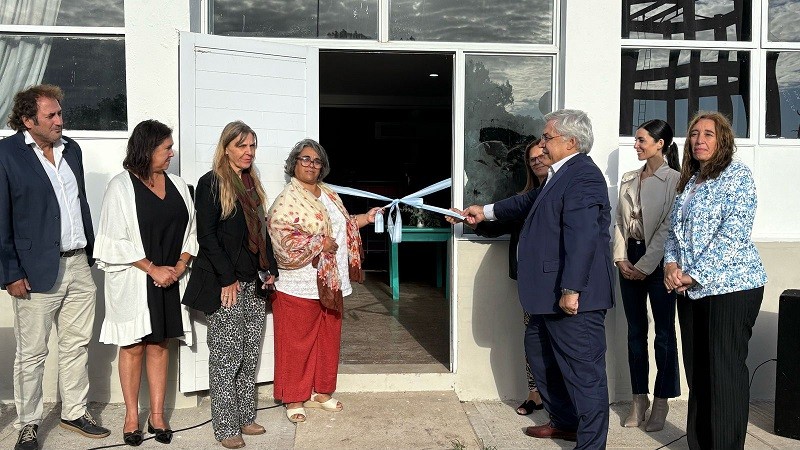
386,120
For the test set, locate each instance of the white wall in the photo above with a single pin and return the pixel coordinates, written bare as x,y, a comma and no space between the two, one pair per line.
489,319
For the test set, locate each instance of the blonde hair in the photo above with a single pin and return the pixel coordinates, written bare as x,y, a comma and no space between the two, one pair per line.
234,131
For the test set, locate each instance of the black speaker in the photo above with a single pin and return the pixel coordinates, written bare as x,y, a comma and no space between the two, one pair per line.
787,372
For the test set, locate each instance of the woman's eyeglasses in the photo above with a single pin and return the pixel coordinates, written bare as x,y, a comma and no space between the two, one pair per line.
306,161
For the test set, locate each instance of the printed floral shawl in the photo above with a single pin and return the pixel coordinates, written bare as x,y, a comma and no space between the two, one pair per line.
297,223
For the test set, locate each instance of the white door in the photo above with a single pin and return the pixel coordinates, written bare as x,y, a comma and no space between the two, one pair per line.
274,88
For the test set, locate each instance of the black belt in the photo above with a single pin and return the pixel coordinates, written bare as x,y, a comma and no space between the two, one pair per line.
69,253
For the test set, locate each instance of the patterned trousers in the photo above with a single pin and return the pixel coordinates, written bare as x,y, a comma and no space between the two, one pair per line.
234,343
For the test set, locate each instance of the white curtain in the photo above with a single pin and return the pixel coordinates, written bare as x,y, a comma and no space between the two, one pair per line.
23,59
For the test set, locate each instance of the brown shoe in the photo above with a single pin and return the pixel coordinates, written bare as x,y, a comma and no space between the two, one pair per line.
252,429
233,442
548,431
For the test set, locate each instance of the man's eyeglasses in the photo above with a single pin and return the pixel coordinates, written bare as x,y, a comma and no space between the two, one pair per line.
306,161
546,138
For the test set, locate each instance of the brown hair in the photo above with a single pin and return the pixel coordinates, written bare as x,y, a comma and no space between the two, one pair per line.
26,106
531,180
144,140
720,159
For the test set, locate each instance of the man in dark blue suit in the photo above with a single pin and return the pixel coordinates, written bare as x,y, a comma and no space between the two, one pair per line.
565,280
46,239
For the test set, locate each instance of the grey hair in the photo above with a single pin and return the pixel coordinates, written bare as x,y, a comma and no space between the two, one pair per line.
291,160
573,123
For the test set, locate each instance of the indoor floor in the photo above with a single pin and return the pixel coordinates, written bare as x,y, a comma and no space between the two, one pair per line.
381,335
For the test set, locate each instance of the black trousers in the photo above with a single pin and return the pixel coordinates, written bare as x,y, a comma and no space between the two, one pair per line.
719,392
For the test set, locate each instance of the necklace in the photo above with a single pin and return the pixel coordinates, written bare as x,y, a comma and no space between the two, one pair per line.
150,182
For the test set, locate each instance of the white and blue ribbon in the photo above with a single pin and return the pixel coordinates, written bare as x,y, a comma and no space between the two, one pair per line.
395,221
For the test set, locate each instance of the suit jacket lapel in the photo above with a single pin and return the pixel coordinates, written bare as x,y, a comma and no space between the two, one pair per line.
552,181
27,153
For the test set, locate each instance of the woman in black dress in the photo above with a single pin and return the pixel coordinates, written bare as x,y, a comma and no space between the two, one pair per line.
146,240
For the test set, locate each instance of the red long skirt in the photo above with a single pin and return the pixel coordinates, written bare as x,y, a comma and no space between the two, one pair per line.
307,342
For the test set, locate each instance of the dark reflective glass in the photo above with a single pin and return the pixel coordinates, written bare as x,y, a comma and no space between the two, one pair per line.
72,13
324,19
91,71
784,21
512,21
505,98
673,85
702,20
783,95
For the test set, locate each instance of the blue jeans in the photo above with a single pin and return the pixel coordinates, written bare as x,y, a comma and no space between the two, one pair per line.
634,298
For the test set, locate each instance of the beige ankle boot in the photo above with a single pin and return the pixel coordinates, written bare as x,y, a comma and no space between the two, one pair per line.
638,408
658,415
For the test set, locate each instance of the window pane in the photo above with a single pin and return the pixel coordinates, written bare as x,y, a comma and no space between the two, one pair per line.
522,21
324,19
673,85
784,23
505,99
703,20
91,71
783,95
73,13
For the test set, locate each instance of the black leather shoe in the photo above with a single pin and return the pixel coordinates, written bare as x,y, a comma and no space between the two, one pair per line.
27,438
133,438
161,435
86,426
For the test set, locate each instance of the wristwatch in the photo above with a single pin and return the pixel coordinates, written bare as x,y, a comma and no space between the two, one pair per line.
565,291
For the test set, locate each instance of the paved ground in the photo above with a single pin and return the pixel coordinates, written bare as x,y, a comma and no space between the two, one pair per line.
412,420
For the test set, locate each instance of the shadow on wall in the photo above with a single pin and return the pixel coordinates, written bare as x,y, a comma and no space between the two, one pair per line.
764,347
497,322
101,356
8,345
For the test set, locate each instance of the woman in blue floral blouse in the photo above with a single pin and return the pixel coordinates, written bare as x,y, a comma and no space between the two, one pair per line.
710,258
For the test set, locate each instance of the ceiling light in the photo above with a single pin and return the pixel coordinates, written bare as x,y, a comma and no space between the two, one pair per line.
433,75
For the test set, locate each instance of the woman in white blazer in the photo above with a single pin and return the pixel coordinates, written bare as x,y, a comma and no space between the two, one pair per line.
646,196
145,241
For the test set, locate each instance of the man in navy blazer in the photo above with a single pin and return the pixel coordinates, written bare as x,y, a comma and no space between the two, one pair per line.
46,239
565,280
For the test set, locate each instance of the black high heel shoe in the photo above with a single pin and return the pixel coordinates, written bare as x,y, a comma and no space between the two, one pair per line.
161,435
529,406
132,438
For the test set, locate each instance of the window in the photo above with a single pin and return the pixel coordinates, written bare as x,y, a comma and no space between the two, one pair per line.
505,98
510,21
323,19
719,65
77,45
672,84
708,20
782,116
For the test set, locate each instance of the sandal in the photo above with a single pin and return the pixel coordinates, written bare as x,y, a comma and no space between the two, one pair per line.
300,412
331,405
528,406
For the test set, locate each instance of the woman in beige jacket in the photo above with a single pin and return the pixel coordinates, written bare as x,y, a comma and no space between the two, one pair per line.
646,196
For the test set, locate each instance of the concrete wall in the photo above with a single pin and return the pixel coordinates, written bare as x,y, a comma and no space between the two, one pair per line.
488,319
491,363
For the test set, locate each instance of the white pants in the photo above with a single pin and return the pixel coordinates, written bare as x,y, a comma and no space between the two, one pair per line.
70,304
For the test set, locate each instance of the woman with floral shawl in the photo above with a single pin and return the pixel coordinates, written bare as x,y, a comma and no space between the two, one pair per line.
318,249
